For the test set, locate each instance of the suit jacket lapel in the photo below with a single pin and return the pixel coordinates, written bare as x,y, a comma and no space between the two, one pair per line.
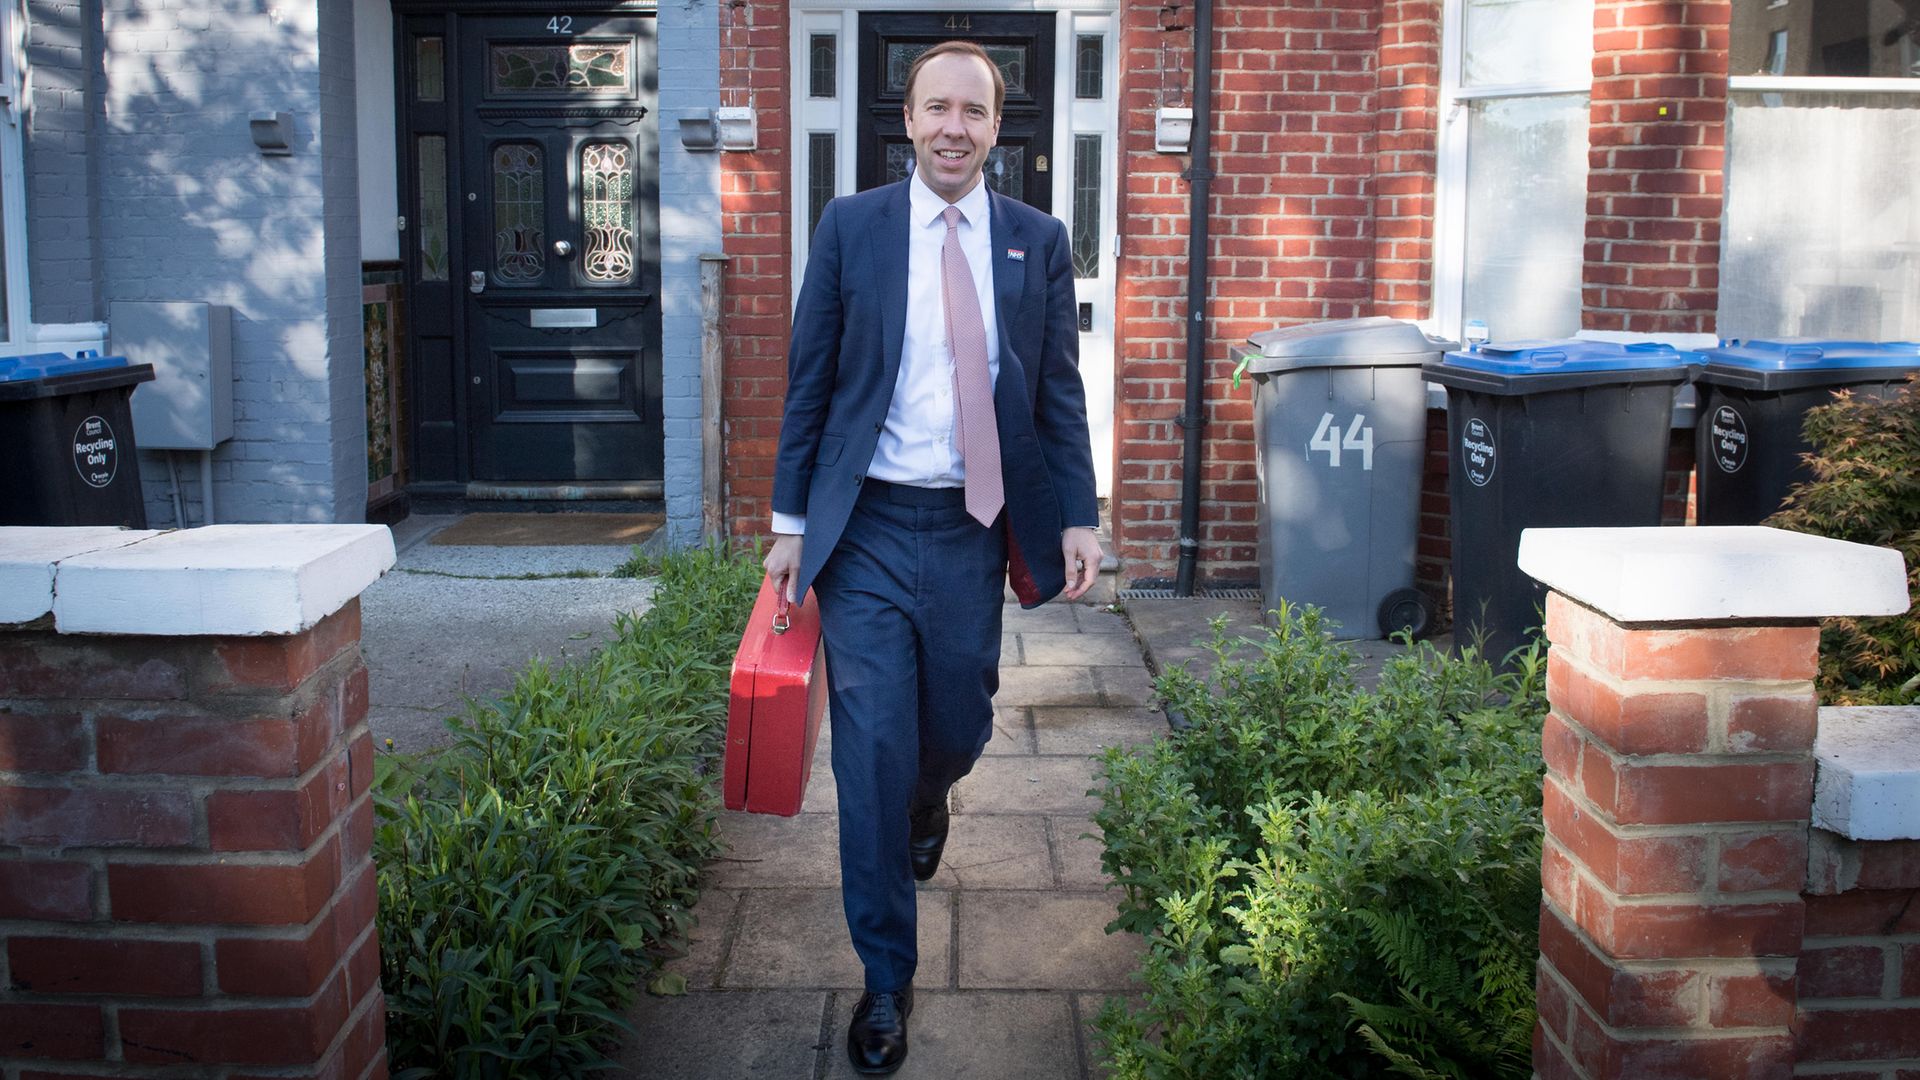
891,236
1009,275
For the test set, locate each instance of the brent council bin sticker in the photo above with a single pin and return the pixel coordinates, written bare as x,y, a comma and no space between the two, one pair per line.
1729,433
1476,451
96,452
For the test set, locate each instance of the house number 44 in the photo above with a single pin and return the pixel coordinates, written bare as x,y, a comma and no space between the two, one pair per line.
561,24
1329,438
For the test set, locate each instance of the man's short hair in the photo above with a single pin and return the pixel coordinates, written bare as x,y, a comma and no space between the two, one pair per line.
963,48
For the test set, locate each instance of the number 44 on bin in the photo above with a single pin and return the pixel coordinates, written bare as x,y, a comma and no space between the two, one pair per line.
1328,438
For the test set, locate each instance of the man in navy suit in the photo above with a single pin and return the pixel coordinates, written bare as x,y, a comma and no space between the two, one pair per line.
935,422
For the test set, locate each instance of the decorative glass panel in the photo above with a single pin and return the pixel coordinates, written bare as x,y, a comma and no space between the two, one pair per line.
519,213
1007,171
430,68
820,150
1086,206
560,69
432,150
1090,61
1822,225
606,212
1875,39
899,161
823,66
1526,215
1529,41
1010,59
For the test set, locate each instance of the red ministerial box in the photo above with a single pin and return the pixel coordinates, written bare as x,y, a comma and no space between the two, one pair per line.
777,697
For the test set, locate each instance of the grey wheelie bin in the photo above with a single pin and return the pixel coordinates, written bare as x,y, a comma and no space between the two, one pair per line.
1754,397
1550,434
66,435
1340,429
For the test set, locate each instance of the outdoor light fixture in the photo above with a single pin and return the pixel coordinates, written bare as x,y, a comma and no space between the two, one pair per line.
737,127
698,130
1172,129
272,132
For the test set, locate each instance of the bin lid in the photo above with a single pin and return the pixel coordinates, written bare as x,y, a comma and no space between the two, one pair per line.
1570,355
1796,354
50,365
1375,341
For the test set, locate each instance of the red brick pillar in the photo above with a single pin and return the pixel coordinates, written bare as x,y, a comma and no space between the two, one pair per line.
186,887
1678,791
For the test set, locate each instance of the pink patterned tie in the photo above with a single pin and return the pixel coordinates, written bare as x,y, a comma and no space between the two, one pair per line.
972,382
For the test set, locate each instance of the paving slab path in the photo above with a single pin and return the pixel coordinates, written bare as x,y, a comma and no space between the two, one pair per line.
1014,958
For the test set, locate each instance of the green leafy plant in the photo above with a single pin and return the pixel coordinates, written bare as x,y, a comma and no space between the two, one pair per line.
1254,850
1866,488
531,874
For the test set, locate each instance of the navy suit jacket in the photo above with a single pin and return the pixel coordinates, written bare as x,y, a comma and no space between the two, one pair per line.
845,355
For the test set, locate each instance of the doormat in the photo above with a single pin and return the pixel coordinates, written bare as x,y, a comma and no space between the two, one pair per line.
548,530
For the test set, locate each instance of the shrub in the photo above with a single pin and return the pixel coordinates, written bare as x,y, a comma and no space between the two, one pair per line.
1866,488
1268,852
526,873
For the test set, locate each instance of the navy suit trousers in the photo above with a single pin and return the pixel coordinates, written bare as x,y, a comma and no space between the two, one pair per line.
910,610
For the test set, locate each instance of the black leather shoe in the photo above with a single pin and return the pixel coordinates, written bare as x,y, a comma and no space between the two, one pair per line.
927,838
877,1038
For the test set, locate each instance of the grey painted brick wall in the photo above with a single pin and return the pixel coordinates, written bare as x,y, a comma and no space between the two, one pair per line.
182,206
690,226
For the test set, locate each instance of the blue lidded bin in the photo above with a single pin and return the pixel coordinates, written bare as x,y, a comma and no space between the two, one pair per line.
1754,397
66,434
1547,434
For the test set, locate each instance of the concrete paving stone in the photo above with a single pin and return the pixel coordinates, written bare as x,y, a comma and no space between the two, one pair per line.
1043,941
1125,685
1012,734
1096,619
1083,649
975,1036
1077,847
995,851
724,1035
763,851
1055,618
1036,785
1060,729
821,796
798,938
706,942
1052,685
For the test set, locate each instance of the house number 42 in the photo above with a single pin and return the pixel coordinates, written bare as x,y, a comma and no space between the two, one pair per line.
560,24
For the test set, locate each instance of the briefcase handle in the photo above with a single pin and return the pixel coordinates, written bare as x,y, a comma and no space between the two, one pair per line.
780,620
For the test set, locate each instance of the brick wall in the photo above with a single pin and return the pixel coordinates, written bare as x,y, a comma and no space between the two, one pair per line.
1407,124
1656,146
1295,151
756,209
1859,972
185,879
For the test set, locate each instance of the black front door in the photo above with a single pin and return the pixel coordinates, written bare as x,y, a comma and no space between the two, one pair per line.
536,272
559,164
1020,45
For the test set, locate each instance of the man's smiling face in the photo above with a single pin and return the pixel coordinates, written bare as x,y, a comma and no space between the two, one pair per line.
952,122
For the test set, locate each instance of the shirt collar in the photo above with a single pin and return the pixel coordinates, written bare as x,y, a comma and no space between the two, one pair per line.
927,206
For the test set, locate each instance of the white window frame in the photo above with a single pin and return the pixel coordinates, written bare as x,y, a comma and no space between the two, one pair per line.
13,179
1450,164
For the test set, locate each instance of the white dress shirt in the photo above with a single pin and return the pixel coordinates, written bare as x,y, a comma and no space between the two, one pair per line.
918,444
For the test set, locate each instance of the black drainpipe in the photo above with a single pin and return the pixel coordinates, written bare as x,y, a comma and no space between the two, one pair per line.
1200,174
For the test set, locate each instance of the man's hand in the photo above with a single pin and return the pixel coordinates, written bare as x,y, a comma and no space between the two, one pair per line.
1082,553
783,564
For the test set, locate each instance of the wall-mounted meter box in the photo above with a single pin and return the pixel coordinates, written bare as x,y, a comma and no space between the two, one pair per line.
189,403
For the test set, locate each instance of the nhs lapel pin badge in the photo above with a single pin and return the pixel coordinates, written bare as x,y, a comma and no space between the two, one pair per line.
1017,254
